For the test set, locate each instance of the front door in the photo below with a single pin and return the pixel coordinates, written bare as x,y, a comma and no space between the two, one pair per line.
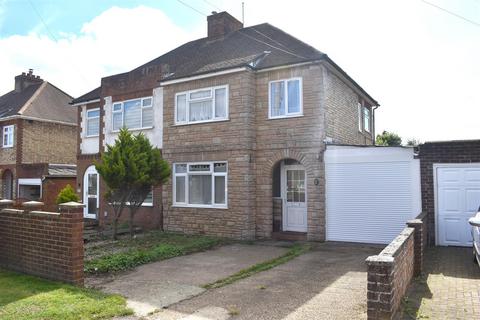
90,193
294,194
458,199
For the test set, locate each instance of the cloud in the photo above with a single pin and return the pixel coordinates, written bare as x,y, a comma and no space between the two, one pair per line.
117,40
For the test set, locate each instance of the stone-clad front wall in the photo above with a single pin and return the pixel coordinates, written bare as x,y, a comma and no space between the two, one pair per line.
299,138
232,141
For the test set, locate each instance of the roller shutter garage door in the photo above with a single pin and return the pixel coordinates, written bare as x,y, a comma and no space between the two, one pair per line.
371,192
457,199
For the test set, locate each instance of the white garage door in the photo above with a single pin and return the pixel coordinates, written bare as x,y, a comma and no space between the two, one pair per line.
371,192
457,199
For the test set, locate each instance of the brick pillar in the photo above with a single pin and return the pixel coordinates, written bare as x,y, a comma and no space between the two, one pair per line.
419,244
380,287
72,214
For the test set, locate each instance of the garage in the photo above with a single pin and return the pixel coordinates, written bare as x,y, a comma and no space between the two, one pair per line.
371,192
457,198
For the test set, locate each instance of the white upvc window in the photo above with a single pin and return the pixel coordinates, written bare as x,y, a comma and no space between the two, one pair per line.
200,184
366,119
93,122
202,105
8,136
285,98
133,114
360,117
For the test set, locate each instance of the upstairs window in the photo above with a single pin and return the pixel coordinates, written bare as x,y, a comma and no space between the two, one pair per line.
285,98
366,119
360,117
133,114
8,136
93,122
203,105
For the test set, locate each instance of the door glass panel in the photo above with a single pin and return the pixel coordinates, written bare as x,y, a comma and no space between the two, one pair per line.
92,206
92,184
295,186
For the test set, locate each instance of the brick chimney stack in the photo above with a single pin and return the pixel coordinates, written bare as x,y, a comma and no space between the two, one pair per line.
25,80
220,24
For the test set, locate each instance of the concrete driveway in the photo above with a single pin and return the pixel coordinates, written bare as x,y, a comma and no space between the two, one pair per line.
326,283
157,285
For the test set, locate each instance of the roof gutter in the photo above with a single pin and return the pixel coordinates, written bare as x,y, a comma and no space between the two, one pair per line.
81,103
18,116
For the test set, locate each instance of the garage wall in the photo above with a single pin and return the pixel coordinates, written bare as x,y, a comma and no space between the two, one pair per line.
447,152
371,192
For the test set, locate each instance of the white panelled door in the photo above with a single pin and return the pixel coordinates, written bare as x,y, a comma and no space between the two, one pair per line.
90,193
294,196
457,200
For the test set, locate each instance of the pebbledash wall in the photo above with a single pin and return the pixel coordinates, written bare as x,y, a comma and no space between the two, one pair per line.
45,244
467,151
253,144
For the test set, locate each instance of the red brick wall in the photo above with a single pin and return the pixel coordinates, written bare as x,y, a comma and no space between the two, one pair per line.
49,245
390,272
51,187
441,152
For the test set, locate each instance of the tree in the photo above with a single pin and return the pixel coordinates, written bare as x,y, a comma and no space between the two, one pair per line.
130,168
67,194
413,142
388,139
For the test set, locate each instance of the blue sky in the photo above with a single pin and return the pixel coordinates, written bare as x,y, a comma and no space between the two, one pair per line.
418,61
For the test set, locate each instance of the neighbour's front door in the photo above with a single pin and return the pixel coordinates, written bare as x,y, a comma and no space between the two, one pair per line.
90,193
294,194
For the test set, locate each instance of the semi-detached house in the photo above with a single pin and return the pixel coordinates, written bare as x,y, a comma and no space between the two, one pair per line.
243,116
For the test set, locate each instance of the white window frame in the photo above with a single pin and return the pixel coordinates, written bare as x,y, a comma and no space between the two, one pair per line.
30,182
360,117
188,173
87,118
8,131
212,97
367,110
122,112
285,87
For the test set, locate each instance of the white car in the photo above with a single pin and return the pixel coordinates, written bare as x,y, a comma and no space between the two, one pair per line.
475,223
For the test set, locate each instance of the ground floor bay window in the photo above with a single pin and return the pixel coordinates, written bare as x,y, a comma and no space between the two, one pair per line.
200,184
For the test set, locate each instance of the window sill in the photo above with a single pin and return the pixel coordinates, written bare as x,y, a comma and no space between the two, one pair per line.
200,122
198,206
134,129
7,147
286,117
93,136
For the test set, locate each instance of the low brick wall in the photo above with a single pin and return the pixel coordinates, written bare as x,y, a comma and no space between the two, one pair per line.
390,272
45,244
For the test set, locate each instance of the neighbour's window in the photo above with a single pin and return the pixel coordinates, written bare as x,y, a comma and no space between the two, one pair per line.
8,136
209,104
360,117
148,200
93,122
133,114
30,189
366,119
200,184
285,98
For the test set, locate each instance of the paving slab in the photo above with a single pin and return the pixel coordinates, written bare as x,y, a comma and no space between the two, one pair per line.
449,289
157,285
327,283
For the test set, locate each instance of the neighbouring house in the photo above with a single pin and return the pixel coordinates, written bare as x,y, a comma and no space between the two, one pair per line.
38,149
243,116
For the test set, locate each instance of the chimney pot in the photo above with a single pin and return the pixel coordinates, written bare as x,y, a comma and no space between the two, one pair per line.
220,24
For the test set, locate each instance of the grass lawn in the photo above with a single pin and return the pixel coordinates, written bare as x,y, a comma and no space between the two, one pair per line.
30,298
125,253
